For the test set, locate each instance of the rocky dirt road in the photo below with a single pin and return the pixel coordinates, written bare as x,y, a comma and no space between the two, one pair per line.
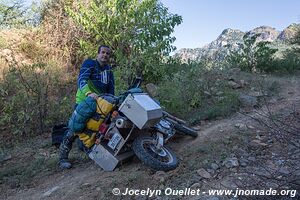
249,150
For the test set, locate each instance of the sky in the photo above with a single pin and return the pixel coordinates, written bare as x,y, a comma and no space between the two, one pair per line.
204,20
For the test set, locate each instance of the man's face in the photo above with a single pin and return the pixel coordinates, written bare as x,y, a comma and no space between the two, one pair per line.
104,55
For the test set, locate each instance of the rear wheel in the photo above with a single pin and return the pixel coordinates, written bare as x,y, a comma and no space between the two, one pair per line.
162,159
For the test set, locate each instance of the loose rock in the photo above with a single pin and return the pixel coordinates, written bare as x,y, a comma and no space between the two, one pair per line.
160,176
241,126
195,185
247,100
231,162
49,192
234,85
214,166
203,173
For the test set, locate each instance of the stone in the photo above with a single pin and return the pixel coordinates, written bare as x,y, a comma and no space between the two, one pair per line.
196,185
213,198
231,162
49,192
234,170
160,173
229,184
160,176
279,162
244,83
241,126
243,162
247,100
262,172
270,141
272,185
214,166
203,173
273,101
243,152
250,127
284,170
5,157
257,143
233,85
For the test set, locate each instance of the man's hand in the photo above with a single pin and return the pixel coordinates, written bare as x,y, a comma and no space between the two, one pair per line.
93,95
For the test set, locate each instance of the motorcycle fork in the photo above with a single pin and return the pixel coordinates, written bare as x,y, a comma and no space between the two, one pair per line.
159,140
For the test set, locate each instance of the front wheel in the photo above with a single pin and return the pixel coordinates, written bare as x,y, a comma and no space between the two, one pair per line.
159,159
182,129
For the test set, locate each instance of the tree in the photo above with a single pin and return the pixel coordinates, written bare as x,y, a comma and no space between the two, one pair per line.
14,13
264,56
296,39
11,12
252,55
291,57
138,31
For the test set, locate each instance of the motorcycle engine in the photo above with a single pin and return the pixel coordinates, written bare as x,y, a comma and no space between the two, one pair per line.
165,127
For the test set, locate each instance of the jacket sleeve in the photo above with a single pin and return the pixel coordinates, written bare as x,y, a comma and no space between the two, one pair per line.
111,84
83,77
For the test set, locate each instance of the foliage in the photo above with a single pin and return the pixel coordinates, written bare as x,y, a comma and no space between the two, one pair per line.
196,93
3,42
264,56
137,31
33,98
59,34
290,60
14,13
289,63
296,49
252,55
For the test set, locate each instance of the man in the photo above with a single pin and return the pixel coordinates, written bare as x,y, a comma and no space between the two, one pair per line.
95,78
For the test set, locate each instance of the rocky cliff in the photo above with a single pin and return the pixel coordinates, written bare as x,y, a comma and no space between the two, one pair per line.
232,38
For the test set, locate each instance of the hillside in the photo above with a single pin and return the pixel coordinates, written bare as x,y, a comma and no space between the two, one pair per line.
231,39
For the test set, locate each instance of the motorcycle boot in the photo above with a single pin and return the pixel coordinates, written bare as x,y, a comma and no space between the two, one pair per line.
64,149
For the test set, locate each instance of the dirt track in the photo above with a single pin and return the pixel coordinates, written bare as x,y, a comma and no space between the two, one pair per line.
88,181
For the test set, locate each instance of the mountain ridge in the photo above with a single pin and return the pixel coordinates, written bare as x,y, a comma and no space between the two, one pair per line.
232,39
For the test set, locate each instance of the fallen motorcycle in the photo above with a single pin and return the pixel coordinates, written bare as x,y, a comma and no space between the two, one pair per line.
138,125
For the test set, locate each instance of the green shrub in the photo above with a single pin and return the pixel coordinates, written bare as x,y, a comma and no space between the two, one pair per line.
253,55
288,64
15,13
197,93
139,32
33,99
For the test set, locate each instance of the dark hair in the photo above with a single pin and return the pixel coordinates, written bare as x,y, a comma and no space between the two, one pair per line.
99,49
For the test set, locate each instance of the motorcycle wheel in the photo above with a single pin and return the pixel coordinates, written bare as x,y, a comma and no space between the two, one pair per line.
182,129
160,160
